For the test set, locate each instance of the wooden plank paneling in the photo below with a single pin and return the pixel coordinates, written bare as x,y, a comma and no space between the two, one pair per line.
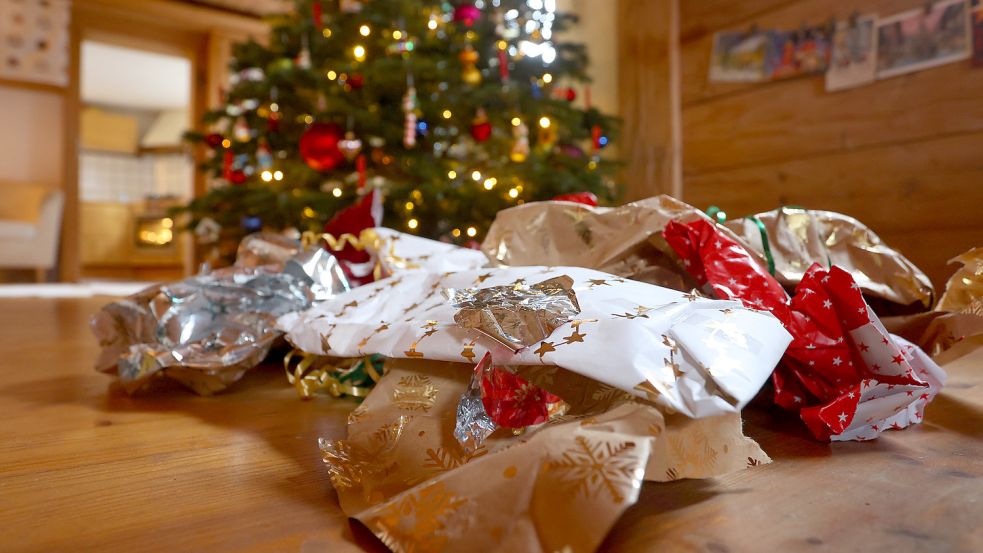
799,119
899,191
699,17
903,155
932,248
695,50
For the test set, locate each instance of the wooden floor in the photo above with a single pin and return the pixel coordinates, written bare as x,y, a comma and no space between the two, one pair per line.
83,467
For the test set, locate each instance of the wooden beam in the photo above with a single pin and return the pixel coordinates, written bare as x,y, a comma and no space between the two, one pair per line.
649,97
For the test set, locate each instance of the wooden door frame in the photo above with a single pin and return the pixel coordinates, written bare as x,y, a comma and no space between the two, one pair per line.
156,25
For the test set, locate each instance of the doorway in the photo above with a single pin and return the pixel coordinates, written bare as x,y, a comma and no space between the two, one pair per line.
133,164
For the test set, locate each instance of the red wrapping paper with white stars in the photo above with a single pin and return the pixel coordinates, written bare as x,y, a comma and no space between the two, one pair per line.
848,378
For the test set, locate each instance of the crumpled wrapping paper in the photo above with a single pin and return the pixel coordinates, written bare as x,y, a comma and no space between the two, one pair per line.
397,252
692,355
958,315
964,291
516,315
207,331
556,487
798,238
625,241
498,398
848,378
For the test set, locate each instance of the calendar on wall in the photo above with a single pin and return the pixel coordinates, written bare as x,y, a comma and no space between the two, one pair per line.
34,40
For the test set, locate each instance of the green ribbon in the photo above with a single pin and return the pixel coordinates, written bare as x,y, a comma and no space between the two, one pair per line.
764,243
720,217
716,214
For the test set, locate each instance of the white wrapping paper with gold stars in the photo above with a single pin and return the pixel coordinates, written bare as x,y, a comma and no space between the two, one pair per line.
691,355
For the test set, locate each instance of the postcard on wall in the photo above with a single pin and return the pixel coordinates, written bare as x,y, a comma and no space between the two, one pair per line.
854,58
34,40
976,20
922,38
801,52
739,57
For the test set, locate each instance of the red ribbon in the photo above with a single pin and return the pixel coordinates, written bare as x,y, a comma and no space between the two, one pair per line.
227,165
503,65
316,13
360,167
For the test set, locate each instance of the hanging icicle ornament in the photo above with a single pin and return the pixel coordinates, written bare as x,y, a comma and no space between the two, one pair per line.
409,110
264,157
469,69
241,130
520,148
303,60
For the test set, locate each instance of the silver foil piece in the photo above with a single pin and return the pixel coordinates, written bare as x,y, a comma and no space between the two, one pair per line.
473,424
517,315
207,331
320,271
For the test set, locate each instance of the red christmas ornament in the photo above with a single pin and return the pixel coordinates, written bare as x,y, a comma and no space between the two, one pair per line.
466,14
319,146
214,140
273,122
586,198
571,94
237,177
356,81
480,127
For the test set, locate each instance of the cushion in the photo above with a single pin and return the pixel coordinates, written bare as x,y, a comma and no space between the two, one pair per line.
21,202
17,229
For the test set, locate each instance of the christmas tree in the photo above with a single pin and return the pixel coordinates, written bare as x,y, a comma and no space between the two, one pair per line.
452,111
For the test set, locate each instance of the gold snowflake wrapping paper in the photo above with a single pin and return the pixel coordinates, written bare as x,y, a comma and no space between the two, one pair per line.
625,241
797,238
692,355
558,487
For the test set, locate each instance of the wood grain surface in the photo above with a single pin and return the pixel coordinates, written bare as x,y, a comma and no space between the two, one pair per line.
84,467
899,154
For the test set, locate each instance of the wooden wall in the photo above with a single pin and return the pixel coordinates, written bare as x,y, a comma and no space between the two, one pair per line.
903,155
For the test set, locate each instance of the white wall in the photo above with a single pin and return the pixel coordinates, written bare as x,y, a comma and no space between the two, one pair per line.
597,29
30,136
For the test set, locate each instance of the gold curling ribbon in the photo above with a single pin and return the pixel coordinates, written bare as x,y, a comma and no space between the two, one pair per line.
315,373
368,238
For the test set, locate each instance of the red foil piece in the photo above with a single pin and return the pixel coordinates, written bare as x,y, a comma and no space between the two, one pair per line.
586,198
841,358
510,400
